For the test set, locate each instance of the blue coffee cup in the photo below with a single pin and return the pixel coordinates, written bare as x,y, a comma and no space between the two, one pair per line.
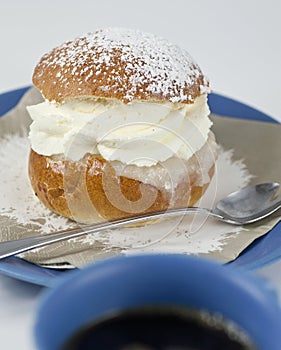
125,283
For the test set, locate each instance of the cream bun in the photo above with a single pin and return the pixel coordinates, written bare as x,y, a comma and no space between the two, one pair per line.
123,130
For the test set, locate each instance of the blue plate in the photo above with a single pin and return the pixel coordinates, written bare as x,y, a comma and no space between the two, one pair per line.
261,252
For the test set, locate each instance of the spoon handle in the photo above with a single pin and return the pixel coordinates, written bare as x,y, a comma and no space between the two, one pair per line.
22,245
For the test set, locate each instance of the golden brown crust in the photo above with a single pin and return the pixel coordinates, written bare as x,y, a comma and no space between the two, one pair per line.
122,64
77,190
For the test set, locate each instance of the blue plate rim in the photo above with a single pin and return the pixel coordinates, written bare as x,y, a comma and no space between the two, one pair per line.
219,104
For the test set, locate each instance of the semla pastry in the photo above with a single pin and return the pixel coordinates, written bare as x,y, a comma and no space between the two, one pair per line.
123,130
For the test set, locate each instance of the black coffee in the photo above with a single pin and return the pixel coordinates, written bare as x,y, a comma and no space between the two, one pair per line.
161,329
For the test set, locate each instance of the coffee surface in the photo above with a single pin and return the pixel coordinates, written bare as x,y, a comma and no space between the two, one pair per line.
161,329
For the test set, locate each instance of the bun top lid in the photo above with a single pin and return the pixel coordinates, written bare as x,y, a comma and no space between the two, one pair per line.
120,63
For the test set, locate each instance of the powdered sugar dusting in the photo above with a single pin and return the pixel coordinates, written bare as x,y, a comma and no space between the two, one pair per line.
128,63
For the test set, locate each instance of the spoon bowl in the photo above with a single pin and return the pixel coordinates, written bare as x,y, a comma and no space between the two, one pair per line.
243,207
250,204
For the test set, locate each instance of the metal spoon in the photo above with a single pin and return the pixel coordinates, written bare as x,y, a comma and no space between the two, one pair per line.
246,206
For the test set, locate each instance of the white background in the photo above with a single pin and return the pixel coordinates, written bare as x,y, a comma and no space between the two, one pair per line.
236,42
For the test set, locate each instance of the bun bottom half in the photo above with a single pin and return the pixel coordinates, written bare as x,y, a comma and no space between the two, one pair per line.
90,191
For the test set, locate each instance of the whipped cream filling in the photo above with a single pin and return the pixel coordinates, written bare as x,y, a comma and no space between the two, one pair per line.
140,133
